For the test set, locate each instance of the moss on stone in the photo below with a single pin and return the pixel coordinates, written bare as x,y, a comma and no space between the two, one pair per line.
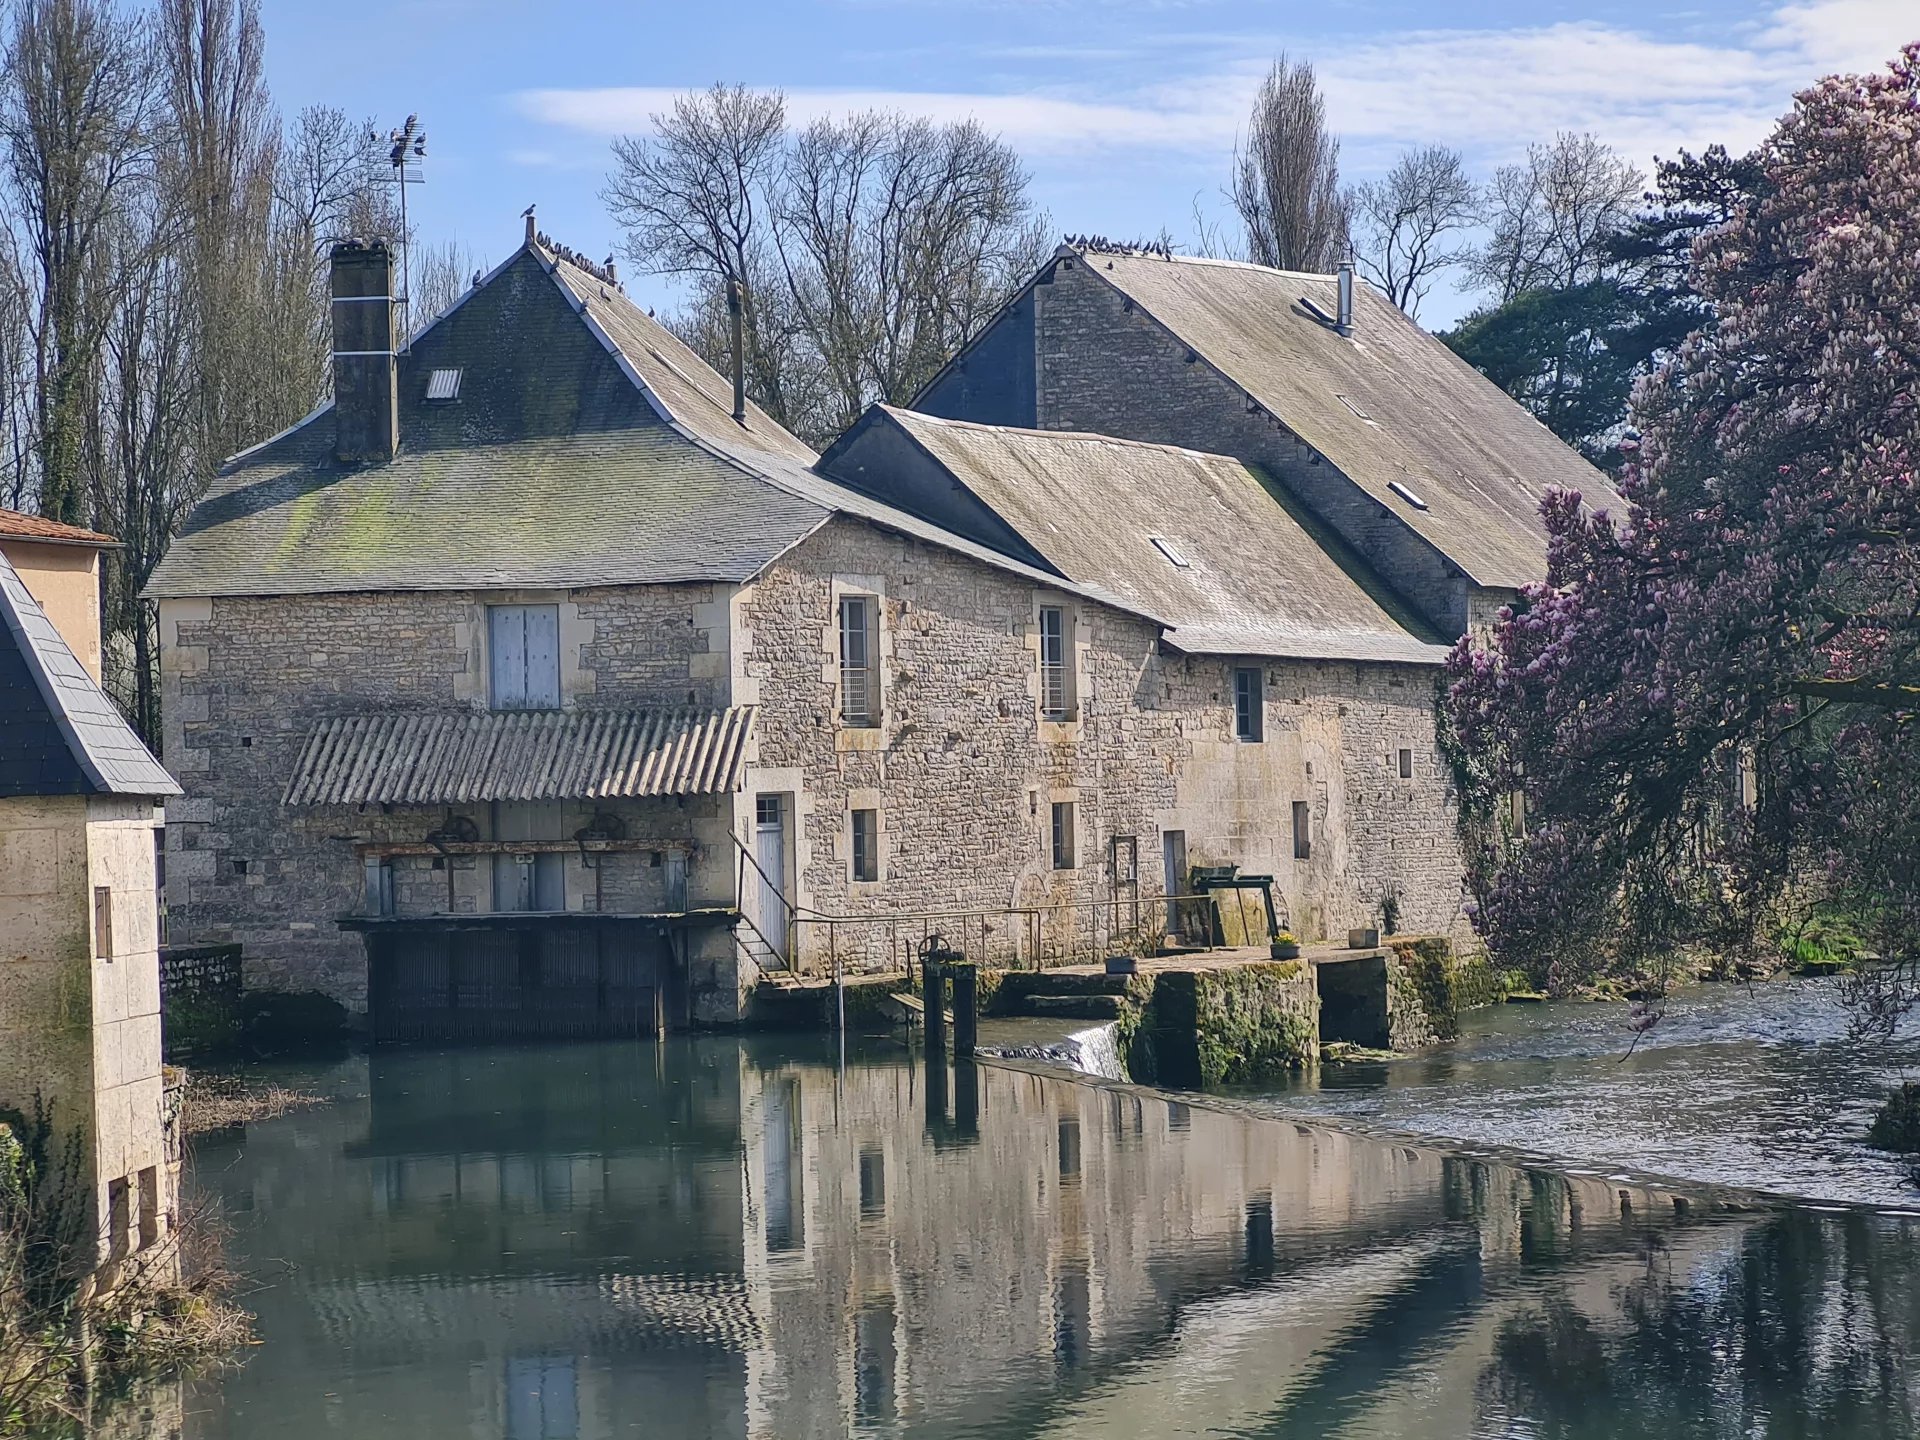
1204,1028
1427,967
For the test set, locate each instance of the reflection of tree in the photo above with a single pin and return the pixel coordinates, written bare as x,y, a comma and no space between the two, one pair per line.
1805,1328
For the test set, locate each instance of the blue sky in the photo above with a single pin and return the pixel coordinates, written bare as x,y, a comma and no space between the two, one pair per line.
1125,110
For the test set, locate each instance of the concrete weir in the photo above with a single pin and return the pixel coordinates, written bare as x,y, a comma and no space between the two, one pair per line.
1241,1017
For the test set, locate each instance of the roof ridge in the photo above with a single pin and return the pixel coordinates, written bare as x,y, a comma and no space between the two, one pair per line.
1076,436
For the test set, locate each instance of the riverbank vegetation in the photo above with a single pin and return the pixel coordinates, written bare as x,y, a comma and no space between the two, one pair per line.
69,1332
1689,739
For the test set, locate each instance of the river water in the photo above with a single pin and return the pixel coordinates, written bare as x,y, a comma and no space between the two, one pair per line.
1757,1086
750,1238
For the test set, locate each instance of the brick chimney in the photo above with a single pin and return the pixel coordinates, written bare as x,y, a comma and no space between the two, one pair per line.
366,412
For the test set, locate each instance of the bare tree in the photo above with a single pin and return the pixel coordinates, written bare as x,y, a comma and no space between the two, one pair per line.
79,123
871,246
898,239
693,199
441,274
1286,175
1407,226
1552,216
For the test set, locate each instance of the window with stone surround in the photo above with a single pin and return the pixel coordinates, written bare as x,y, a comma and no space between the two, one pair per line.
523,657
1056,663
1063,837
859,661
1302,830
1249,703
1405,760
864,826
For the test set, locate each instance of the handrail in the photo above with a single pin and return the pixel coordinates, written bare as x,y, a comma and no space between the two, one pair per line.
740,902
1139,912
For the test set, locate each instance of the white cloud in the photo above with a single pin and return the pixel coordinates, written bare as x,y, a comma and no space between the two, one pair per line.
1485,91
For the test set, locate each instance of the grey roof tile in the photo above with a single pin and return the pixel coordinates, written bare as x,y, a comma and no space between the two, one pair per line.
59,733
1412,411
1260,579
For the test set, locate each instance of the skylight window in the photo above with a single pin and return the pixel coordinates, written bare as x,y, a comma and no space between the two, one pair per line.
1166,548
1348,402
443,385
1407,495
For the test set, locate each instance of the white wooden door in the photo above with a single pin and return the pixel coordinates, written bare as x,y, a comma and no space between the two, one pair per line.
770,853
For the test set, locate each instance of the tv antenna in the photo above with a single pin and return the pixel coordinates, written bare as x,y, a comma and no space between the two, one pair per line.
406,151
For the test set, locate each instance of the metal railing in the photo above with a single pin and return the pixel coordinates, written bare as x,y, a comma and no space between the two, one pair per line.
773,953
1019,937
1013,937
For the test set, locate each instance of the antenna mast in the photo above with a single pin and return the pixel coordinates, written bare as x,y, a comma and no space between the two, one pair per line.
406,150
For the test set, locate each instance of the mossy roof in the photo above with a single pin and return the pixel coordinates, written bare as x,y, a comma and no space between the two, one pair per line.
580,450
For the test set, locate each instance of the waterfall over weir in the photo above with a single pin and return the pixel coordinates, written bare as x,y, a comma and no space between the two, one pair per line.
1097,1052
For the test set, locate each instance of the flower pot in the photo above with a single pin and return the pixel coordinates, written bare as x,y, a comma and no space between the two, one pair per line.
1122,965
1363,938
1285,949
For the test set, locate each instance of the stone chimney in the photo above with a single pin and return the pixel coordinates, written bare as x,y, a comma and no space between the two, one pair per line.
366,411
1343,319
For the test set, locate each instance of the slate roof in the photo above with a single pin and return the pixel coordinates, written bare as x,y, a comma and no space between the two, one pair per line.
587,446
691,391
449,759
1388,402
59,733
557,465
18,525
1260,578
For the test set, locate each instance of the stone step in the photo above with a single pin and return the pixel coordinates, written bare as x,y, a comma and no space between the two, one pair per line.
1057,982
1071,1007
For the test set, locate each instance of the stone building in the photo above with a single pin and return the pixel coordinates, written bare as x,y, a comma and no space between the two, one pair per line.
1424,466
542,684
79,932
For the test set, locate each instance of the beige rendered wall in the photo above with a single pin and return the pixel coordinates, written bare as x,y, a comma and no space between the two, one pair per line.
46,997
83,1034
65,579
129,1131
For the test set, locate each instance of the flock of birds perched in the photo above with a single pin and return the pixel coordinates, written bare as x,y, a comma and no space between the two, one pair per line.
603,272
1101,245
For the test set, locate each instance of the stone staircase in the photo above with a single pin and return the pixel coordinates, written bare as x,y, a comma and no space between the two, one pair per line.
1063,995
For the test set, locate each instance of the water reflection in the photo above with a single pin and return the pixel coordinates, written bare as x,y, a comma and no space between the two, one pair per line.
716,1238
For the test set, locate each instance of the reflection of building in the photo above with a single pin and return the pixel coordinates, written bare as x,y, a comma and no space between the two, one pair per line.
732,1240
79,918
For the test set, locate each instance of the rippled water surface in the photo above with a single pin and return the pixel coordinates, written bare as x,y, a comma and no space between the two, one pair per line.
1754,1086
742,1239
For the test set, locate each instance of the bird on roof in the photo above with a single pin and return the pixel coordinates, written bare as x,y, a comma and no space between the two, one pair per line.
527,214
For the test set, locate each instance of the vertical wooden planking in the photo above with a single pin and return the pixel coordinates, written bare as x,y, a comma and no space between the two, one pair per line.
507,656
542,687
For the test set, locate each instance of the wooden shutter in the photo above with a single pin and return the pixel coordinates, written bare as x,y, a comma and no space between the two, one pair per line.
523,647
507,654
543,657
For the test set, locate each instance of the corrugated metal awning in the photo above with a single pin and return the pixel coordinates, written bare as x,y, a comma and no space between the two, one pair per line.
392,758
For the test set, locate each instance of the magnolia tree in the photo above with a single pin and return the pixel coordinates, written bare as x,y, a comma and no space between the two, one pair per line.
1704,727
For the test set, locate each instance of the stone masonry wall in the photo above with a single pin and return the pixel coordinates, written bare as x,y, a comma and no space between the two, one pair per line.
962,769
245,679
964,772
1107,367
